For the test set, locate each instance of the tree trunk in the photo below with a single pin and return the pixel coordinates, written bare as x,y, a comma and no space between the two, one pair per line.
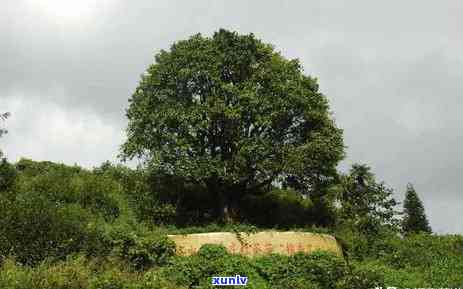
227,200
224,208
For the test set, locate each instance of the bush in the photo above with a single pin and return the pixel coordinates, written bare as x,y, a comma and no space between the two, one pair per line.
113,279
358,246
295,283
142,251
153,280
401,278
89,191
8,175
72,274
318,270
165,199
33,228
212,251
51,212
423,250
414,261
97,193
211,260
76,273
283,208
32,168
363,277
321,268
68,184
148,208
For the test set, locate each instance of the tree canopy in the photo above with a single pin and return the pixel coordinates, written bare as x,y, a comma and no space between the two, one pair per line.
366,203
230,112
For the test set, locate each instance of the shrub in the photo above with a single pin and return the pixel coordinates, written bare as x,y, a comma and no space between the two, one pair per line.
153,280
321,268
318,270
112,279
14,277
283,208
295,283
402,278
421,260
166,199
97,194
70,185
72,274
212,251
272,267
8,175
148,208
33,228
358,246
363,277
142,251
423,250
211,260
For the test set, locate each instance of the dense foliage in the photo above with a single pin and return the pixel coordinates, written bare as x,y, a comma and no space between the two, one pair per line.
230,114
421,261
364,204
415,220
68,227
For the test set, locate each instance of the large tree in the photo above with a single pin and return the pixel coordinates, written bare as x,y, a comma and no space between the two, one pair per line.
232,114
414,220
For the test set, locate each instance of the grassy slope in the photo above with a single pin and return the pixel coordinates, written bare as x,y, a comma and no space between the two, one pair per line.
119,251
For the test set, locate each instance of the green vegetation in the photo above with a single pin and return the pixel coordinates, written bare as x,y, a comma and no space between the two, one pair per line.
3,116
69,227
235,138
415,220
230,116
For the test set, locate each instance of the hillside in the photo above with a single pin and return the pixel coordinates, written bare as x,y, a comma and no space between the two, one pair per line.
69,227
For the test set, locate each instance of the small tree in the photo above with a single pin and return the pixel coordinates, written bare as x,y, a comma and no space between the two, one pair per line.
231,114
414,220
366,204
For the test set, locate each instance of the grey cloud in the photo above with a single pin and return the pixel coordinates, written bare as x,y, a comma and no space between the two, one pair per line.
391,69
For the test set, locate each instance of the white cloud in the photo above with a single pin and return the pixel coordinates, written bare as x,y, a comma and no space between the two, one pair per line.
46,131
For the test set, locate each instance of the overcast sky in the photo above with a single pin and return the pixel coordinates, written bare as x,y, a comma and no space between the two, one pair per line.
392,70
